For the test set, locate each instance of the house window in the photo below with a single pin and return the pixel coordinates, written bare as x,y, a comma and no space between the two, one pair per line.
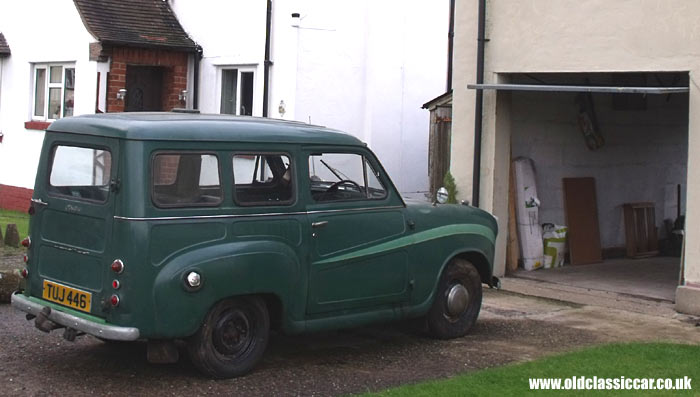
237,86
54,91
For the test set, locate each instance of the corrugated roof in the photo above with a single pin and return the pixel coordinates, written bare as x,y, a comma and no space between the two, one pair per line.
4,47
443,99
140,23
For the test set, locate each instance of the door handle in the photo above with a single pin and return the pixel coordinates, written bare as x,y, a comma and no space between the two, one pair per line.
317,225
39,201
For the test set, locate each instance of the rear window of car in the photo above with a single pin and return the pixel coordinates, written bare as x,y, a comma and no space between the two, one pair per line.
186,180
80,172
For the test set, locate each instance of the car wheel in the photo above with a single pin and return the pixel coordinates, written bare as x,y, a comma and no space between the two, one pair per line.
457,301
232,338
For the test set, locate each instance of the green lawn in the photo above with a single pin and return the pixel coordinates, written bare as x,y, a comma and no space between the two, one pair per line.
21,219
636,360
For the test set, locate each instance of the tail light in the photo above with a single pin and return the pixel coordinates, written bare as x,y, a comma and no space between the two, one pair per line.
114,300
117,266
116,284
25,273
27,242
25,258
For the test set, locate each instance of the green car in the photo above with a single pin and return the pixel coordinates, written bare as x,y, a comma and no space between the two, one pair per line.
214,230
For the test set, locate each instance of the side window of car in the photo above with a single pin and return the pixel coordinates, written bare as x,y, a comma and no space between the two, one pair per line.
343,177
262,179
186,180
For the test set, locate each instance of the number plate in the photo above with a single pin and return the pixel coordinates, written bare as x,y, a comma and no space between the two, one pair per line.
67,296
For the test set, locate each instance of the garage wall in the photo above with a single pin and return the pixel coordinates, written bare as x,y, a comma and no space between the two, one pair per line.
644,158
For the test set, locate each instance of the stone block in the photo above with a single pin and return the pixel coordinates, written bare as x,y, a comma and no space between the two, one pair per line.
12,235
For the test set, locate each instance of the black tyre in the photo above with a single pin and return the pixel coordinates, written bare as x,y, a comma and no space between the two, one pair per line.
232,338
457,301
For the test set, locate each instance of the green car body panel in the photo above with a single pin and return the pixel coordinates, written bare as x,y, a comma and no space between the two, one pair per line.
373,260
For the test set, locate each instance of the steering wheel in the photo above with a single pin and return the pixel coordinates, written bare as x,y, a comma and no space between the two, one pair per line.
336,185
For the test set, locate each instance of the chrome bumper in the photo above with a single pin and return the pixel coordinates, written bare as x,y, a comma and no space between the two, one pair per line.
104,331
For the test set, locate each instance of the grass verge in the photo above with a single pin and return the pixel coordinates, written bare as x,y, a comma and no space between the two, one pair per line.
632,360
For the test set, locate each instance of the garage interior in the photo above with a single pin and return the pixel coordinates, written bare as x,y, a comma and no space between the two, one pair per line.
635,147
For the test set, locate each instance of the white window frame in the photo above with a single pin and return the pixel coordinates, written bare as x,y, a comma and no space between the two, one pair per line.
241,69
47,85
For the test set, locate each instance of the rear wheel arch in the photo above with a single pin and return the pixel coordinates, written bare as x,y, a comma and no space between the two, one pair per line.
170,292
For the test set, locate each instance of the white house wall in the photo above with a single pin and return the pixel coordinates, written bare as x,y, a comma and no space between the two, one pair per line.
55,34
364,67
232,34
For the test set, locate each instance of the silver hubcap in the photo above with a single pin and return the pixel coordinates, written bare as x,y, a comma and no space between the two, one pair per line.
457,300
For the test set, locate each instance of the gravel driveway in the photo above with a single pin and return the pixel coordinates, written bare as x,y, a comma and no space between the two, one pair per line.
510,328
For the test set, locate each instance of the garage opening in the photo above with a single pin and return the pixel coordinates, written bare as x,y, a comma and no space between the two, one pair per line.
609,153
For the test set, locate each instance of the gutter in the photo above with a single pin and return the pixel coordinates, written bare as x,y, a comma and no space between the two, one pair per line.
266,83
478,108
450,45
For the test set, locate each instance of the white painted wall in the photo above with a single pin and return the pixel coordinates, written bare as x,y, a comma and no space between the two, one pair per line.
359,66
54,34
232,34
366,67
645,152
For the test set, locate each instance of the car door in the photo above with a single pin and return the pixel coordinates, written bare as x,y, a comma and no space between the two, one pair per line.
357,219
74,204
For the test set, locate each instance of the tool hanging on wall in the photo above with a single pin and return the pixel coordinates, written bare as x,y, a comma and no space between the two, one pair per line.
588,121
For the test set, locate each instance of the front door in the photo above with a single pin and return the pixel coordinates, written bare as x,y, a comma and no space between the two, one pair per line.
144,89
355,262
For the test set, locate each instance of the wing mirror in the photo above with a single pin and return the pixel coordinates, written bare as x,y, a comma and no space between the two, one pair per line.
441,195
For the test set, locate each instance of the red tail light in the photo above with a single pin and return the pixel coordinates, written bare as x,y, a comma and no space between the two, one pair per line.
114,300
25,258
116,284
117,266
25,273
26,242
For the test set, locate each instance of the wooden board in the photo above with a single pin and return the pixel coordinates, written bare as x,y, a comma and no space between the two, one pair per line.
640,230
513,247
581,210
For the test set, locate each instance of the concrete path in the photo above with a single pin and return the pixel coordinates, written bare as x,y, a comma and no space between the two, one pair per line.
654,278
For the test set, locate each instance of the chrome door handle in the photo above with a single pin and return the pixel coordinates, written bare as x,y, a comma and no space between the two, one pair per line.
39,201
317,225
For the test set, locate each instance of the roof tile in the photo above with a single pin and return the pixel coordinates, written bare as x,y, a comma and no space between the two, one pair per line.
143,23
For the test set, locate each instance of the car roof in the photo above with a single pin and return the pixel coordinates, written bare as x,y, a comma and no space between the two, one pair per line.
174,126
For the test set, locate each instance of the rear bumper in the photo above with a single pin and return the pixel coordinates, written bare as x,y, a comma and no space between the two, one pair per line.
104,331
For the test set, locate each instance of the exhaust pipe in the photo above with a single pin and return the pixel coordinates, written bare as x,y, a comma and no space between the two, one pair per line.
43,323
